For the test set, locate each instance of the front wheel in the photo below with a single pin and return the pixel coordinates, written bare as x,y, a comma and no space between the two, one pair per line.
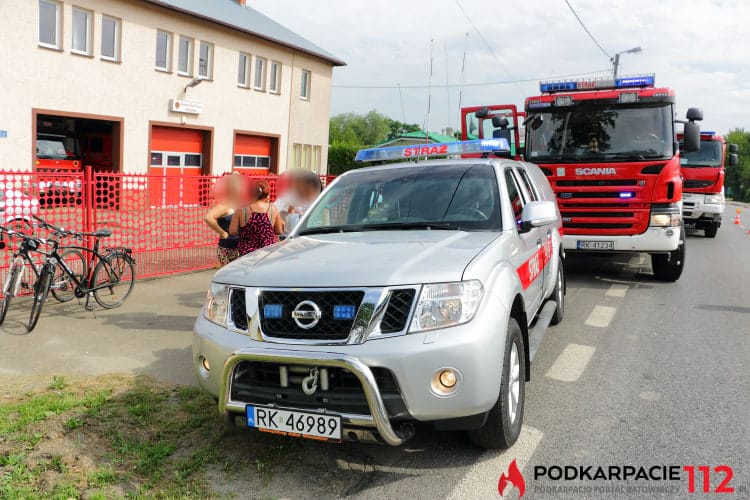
41,290
710,229
503,425
558,295
113,280
11,285
63,287
668,267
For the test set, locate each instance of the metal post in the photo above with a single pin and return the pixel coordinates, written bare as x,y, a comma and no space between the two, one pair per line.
615,64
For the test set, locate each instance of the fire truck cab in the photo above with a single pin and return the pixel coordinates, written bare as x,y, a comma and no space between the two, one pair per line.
609,150
703,182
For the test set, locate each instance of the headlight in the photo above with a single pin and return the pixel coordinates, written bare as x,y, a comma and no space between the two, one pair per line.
217,301
446,304
665,220
714,199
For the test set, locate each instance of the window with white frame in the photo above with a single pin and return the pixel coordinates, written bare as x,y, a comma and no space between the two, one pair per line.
206,60
304,89
307,156
317,155
185,56
251,161
111,38
274,78
50,24
260,73
242,75
163,51
81,33
297,155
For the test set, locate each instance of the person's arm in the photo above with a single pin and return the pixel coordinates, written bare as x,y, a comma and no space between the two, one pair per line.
212,220
234,226
278,224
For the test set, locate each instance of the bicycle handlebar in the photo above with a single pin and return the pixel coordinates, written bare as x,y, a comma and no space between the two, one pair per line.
63,232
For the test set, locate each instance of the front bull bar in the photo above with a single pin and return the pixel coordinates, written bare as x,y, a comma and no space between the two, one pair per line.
378,411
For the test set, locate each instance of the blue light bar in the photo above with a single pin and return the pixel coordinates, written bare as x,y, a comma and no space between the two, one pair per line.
598,84
273,311
344,312
439,149
708,132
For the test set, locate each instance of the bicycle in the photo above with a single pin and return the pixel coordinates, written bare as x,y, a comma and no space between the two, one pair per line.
109,276
14,279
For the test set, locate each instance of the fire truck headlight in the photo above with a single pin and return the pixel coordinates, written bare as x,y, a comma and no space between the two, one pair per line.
665,220
446,304
714,199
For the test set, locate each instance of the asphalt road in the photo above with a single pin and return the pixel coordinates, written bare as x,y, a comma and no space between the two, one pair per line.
640,373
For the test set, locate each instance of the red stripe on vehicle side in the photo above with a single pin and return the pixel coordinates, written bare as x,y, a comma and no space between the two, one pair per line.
532,268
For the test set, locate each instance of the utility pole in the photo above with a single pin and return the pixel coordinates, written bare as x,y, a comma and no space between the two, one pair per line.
616,59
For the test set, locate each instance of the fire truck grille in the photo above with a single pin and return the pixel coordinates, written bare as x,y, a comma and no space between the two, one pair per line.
693,184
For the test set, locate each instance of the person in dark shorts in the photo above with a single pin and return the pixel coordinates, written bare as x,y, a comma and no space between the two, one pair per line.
258,224
219,217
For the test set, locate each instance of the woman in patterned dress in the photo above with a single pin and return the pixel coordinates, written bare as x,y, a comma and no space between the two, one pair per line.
259,224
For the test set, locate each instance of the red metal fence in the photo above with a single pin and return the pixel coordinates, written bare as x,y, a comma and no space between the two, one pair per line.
159,217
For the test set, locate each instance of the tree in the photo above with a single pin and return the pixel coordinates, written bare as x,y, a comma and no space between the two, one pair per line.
737,178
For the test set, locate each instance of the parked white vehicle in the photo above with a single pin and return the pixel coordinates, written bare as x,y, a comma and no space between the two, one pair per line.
411,292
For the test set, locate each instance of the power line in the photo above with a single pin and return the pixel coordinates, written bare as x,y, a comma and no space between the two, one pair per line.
481,37
580,21
473,84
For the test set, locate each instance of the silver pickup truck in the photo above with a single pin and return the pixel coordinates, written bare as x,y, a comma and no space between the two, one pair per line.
415,292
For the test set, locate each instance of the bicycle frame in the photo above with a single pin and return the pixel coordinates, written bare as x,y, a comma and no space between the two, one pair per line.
86,285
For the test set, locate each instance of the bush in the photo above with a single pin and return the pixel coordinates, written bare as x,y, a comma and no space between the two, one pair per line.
341,158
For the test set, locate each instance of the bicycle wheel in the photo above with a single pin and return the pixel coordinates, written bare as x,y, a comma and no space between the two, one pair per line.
63,287
10,287
41,290
113,280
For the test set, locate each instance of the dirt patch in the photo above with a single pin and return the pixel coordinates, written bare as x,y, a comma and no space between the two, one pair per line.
126,436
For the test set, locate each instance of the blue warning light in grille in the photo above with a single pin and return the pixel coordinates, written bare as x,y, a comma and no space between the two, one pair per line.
344,312
273,311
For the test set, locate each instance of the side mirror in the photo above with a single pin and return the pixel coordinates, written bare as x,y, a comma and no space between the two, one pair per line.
734,160
537,122
537,214
500,122
695,114
692,137
482,113
734,148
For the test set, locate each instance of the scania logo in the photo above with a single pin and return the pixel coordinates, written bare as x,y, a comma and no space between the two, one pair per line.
596,171
307,314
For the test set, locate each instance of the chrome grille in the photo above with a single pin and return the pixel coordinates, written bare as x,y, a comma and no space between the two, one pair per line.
238,308
397,313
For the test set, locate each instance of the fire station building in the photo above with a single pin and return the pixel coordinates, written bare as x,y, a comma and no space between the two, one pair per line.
178,87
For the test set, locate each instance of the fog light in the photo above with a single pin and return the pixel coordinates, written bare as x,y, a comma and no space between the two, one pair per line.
448,379
445,381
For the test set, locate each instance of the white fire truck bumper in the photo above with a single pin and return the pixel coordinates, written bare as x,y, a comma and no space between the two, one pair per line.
655,239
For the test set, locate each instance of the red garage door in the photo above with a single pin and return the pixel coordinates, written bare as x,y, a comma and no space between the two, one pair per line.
252,154
177,154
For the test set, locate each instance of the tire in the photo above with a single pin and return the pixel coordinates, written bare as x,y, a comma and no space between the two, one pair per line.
116,270
558,295
710,229
668,267
503,425
63,288
41,290
10,287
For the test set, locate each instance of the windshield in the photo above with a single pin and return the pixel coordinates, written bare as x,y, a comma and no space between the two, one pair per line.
709,155
57,148
592,131
458,197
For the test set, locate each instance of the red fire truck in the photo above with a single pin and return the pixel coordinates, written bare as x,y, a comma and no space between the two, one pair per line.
609,149
703,182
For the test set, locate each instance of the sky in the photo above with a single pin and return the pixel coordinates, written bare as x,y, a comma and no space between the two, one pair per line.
699,48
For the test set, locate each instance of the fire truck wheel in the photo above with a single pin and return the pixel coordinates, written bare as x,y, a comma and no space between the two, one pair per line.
669,267
558,295
710,229
503,425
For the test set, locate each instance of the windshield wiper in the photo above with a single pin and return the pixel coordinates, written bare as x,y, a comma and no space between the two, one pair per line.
330,229
635,155
411,225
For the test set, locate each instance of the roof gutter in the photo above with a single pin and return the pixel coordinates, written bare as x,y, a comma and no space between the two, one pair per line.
332,60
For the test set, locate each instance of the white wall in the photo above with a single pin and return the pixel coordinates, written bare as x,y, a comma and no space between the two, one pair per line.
36,77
